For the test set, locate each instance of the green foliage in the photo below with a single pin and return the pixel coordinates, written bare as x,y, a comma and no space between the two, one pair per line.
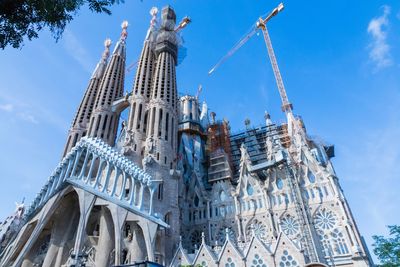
388,249
21,19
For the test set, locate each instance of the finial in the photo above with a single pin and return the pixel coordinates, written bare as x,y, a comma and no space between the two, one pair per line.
203,238
107,44
227,233
153,13
124,33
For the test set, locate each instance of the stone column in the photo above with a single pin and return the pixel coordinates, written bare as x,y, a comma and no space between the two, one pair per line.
106,237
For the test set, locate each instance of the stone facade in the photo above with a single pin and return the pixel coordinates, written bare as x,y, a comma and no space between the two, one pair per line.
176,188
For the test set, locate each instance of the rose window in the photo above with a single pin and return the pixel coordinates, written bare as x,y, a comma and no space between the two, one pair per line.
325,220
260,230
290,226
195,238
221,236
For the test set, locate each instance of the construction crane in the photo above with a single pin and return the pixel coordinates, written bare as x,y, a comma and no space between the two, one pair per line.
261,24
184,22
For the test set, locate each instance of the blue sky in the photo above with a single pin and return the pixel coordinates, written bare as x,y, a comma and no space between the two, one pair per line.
340,62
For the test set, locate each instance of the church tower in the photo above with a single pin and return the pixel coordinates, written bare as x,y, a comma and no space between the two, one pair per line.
161,142
80,123
163,117
104,121
141,92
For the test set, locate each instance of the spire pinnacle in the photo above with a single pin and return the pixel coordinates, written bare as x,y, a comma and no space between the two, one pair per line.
124,33
153,22
100,67
107,44
153,13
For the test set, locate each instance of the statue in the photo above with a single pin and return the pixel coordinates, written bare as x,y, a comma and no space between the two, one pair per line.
150,145
129,141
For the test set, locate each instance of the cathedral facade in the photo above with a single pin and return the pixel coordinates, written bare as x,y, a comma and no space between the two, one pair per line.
173,186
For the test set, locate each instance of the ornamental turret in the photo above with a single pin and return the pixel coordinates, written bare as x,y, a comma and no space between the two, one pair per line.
141,92
104,121
80,123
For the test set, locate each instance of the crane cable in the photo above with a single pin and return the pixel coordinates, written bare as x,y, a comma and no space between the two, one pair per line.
253,29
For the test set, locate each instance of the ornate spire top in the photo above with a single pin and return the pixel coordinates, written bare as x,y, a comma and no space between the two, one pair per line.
107,44
153,13
153,22
124,32
100,67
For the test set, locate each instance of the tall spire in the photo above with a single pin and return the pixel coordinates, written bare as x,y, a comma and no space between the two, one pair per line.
163,104
104,122
100,67
80,123
141,91
162,131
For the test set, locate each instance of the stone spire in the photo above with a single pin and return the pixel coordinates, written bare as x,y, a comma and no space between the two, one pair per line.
104,122
162,132
80,123
163,118
141,91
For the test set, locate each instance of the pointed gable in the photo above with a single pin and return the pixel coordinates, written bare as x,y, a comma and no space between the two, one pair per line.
205,255
230,254
287,253
257,253
180,257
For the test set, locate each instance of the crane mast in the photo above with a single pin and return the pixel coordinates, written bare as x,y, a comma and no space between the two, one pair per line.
286,105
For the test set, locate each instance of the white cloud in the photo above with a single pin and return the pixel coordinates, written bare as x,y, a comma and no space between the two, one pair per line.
27,117
7,107
379,49
32,112
77,50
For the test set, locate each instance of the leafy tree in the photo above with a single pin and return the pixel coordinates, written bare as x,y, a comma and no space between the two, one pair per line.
21,19
388,249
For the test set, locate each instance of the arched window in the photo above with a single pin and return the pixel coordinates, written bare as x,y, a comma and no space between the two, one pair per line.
311,177
222,195
249,189
332,239
279,183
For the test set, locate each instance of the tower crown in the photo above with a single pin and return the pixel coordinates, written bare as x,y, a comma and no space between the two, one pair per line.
168,18
166,38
